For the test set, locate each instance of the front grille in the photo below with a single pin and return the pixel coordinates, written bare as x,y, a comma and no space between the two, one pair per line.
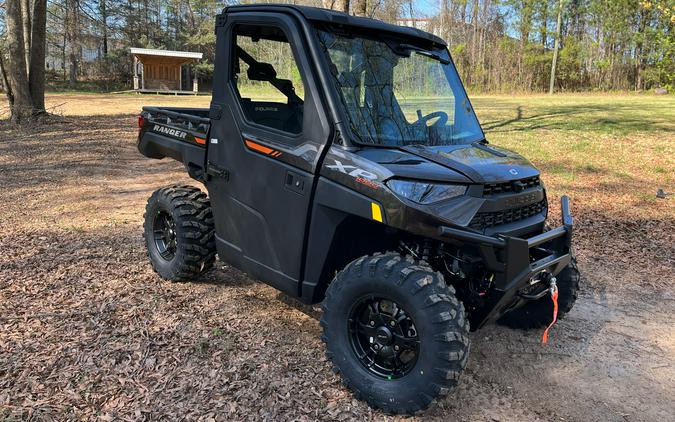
484,220
512,186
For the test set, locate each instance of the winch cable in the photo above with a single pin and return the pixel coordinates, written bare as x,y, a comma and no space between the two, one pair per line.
554,298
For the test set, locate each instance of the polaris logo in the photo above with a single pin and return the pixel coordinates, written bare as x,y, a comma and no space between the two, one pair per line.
266,109
169,131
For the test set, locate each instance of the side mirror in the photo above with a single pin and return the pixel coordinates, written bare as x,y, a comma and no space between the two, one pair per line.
261,72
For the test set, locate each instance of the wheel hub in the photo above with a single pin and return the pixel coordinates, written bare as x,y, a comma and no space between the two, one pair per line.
164,230
383,337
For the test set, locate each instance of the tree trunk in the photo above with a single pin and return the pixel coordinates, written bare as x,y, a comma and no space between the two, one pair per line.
146,21
36,75
190,15
483,36
444,22
26,20
360,8
63,55
103,10
474,29
17,77
72,30
544,23
639,53
342,5
473,38
5,81
556,47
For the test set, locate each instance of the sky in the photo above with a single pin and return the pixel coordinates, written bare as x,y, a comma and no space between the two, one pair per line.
426,8
430,8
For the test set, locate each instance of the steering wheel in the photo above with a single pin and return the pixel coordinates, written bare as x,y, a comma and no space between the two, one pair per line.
441,115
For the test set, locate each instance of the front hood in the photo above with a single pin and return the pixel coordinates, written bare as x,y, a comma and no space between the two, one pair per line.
411,166
481,163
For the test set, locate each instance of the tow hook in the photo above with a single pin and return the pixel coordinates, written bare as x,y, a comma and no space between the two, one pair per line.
543,278
553,289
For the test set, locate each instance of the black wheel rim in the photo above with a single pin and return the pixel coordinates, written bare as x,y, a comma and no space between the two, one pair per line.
164,229
383,337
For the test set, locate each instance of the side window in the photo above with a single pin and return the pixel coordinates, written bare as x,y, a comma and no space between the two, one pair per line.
267,78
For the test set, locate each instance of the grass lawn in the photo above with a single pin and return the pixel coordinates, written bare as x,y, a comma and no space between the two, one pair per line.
618,144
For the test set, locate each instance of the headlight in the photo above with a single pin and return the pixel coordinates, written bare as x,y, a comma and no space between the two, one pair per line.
424,192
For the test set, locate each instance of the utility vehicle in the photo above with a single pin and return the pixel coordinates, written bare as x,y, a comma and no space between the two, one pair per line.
344,164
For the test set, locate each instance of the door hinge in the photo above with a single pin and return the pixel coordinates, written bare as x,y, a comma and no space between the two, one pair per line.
221,18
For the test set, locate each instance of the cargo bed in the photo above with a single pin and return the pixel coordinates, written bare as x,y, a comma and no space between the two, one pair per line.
178,133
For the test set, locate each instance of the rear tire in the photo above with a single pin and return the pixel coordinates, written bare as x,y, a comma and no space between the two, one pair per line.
178,232
424,321
539,313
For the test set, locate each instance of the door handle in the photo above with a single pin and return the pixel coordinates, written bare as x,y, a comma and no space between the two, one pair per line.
295,182
215,170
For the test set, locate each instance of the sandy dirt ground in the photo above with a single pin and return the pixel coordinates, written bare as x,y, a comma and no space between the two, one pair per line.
88,331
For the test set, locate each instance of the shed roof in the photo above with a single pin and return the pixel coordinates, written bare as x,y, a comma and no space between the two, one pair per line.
166,53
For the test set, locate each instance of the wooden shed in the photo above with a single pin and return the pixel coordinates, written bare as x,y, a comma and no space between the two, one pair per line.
163,70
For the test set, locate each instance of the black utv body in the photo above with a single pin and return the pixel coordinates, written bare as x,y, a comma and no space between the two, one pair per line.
364,182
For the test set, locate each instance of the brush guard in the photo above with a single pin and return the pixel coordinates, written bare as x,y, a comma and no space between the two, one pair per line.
517,261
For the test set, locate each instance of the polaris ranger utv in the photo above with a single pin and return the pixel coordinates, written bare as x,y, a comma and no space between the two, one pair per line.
364,182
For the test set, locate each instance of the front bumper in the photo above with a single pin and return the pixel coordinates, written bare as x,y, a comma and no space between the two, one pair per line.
516,261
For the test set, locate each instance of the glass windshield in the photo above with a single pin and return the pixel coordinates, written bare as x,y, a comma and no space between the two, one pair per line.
398,94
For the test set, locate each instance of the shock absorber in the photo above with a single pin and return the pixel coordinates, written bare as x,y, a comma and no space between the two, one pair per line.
426,249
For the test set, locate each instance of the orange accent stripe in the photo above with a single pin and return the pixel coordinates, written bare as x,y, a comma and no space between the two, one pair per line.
257,147
200,141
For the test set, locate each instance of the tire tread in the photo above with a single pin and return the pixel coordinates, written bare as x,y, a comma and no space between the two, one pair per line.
437,299
194,219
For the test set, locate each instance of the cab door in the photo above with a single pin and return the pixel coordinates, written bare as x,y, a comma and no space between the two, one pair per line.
267,134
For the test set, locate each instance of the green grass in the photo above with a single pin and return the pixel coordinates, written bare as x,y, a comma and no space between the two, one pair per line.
610,152
612,114
609,114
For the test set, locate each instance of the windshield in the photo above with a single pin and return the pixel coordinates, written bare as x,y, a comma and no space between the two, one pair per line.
398,94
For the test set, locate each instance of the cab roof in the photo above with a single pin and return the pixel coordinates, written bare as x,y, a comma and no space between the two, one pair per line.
340,19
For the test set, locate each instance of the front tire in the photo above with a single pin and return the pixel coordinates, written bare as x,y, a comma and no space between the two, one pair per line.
395,332
178,232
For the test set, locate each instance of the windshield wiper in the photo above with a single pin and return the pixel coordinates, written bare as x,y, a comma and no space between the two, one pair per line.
483,145
433,56
407,48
